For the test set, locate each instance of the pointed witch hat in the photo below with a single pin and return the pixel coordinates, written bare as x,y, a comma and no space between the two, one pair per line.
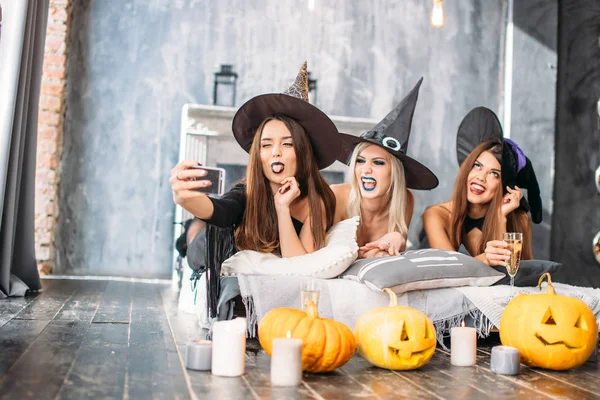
293,103
392,133
480,125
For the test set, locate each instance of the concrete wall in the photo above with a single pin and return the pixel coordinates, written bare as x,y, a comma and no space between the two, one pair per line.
133,64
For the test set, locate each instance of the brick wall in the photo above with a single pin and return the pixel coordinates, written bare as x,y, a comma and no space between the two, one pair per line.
50,131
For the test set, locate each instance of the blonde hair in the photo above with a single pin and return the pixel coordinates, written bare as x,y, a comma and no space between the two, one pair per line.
397,204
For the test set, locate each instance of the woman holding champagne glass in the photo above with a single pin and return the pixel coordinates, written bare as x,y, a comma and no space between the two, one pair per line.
487,213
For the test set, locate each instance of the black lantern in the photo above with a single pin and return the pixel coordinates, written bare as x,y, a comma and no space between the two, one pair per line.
312,90
225,86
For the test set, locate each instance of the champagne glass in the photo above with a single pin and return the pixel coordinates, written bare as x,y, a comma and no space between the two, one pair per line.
310,291
514,241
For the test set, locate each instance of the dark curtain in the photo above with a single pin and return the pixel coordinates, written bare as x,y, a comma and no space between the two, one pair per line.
21,58
576,214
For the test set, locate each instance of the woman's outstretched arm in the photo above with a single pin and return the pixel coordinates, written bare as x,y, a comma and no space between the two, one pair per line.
185,180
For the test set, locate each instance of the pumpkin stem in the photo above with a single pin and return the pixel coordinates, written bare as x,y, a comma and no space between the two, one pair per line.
311,309
550,289
393,297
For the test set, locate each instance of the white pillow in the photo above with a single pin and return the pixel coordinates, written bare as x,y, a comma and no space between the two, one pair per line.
339,253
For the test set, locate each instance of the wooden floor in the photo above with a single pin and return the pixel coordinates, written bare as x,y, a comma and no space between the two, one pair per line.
98,339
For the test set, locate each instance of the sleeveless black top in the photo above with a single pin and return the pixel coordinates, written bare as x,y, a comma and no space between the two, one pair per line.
229,209
472,223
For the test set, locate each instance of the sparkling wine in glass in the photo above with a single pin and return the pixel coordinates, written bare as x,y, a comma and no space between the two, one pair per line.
514,241
310,292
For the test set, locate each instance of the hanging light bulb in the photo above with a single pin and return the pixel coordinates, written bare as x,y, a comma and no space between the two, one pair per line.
311,5
437,14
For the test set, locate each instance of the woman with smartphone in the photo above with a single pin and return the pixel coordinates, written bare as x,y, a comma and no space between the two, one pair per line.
486,201
380,173
283,206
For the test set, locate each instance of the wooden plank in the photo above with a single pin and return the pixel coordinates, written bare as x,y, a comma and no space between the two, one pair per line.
438,383
11,306
115,306
149,323
99,369
154,369
482,378
83,304
41,370
559,384
184,327
47,304
543,384
207,386
154,373
589,369
331,384
258,376
385,383
15,337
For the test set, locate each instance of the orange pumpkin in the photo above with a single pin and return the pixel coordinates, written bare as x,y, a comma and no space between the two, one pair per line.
326,344
395,337
551,331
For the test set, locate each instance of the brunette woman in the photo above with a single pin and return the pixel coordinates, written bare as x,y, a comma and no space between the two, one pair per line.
486,201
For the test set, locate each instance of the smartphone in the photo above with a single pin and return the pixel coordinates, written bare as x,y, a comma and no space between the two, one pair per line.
216,176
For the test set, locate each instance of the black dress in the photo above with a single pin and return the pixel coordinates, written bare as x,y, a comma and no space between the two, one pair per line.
208,251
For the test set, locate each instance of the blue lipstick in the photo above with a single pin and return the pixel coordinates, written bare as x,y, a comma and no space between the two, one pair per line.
368,180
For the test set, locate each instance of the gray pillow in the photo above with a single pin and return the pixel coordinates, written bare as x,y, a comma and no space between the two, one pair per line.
422,269
529,272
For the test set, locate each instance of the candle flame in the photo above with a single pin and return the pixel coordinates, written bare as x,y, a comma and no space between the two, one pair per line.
288,335
462,324
437,14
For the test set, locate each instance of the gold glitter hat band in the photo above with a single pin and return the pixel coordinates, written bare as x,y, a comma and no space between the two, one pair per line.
299,88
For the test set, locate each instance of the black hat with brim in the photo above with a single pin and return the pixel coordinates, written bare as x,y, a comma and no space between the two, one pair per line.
319,127
392,133
293,103
418,176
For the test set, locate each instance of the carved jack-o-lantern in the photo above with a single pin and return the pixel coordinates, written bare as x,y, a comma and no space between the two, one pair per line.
395,337
550,331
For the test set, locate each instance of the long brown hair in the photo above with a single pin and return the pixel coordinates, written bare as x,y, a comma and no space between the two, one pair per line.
516,221
258,230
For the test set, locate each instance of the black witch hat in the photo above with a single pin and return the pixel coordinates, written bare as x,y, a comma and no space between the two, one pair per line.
480,125
293,103
392,133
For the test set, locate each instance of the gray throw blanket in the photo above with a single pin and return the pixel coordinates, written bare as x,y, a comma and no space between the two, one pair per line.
345,301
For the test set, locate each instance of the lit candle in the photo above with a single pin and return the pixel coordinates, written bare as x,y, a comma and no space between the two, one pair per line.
463,346
505,360
198,354
286,361
229,347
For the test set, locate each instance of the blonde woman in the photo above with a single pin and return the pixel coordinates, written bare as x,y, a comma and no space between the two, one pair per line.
377,190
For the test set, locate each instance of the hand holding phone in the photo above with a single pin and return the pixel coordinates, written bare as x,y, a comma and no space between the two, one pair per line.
216,176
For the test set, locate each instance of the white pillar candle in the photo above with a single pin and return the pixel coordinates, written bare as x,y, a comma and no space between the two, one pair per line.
463,346
229,347
505,360
286,361
198,355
